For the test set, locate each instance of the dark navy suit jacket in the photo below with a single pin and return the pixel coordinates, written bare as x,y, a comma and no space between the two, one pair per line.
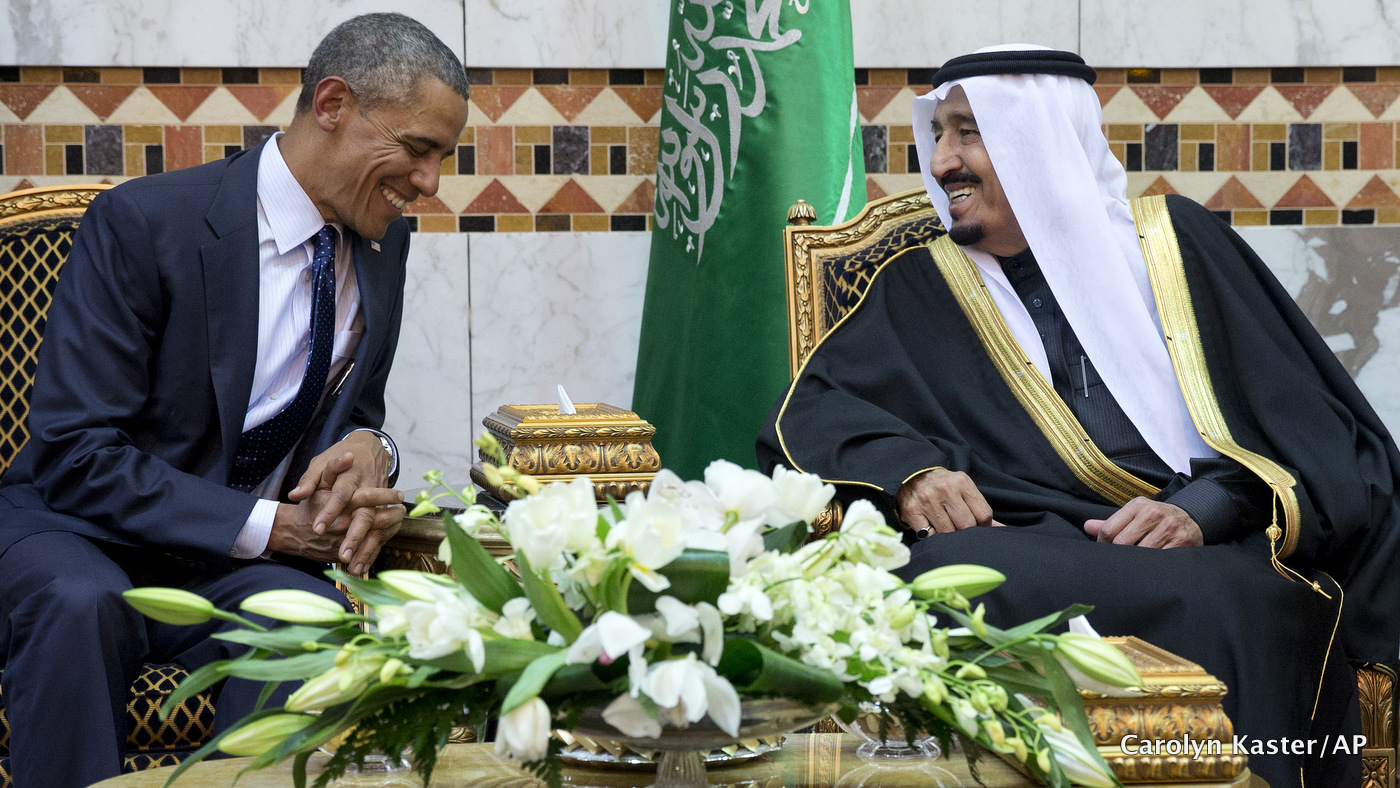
146,366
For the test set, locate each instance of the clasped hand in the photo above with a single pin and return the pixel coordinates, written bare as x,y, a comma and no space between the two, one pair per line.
341,509
943,501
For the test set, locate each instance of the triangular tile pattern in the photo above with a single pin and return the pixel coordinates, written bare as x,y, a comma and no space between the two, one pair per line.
1376,98
641,200
103,100
569,100
871,99
1305,98
22,99
427,205
1233,98
873,190
495,100
1161,99
1106,92
495,198
1375,194
182,100
645,101
1159,186
261,100
1233,196
571,198
62,108
1305,194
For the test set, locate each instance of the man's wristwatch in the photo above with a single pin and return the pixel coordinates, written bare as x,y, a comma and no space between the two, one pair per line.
389,446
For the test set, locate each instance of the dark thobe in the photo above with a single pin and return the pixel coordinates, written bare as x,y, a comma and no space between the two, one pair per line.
905,384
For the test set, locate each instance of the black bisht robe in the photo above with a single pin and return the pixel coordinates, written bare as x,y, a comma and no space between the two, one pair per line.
904,384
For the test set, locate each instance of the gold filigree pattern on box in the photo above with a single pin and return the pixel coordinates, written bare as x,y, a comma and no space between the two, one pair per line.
1376,686
609,445
1177,702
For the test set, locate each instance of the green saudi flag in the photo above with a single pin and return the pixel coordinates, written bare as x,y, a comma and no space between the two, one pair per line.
759,112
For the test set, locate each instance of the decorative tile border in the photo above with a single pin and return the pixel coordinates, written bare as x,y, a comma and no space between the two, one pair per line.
563,150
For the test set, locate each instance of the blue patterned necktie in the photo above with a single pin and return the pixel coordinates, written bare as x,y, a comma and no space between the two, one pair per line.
263,447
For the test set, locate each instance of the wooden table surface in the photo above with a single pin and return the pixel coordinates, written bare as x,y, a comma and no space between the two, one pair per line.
820,760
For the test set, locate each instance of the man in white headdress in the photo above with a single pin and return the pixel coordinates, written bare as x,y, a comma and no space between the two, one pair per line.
1108,377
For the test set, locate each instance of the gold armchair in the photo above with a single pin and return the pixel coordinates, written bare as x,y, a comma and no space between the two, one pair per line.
828,270
36,234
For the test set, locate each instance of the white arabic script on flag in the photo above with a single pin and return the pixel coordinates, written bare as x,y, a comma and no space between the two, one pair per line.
714,82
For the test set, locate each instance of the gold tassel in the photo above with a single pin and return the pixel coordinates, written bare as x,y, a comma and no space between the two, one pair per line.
1288,573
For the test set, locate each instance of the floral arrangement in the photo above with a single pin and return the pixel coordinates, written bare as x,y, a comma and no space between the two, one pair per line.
665,609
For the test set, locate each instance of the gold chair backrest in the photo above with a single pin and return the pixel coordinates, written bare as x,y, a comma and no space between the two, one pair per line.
829,268
36,234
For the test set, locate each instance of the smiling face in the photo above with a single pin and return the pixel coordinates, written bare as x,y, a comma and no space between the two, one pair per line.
377,161
982,217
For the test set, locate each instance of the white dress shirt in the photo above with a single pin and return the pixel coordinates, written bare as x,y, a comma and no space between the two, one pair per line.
287,222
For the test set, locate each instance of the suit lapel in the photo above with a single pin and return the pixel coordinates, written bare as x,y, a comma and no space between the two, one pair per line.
231,294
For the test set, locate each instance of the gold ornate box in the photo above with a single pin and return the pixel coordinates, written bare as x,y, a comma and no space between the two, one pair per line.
609,445
1173,730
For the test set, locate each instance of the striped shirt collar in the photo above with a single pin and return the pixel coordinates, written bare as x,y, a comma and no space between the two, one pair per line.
290,213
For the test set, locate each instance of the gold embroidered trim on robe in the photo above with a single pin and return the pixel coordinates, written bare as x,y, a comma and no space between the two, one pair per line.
1032,390
1165,269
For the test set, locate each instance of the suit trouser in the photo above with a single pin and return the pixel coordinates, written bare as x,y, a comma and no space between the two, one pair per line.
75,647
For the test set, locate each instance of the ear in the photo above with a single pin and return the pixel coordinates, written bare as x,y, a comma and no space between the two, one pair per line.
331,101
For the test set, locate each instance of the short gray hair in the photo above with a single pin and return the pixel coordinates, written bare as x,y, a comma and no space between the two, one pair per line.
381,57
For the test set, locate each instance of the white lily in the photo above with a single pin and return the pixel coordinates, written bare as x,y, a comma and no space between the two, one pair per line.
523,734
447,625
296,606
390,621
407,584
1078,765
612,635
559,517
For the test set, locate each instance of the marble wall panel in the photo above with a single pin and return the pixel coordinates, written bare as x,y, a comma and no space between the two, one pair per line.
428,398
921,34
1247,33
1346,280
567,33
192,32
555,308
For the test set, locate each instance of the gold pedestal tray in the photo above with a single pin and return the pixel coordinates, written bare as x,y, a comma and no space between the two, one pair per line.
1173,729
609,445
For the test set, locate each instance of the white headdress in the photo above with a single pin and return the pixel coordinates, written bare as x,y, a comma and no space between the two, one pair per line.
1069,194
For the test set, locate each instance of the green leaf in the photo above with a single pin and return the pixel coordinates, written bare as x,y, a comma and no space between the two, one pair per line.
289,640
756,668
371,592
696,576
1015,680
786,539
1048,622
571,680
477,571
533,680
547,602
302,666
422,674
614,586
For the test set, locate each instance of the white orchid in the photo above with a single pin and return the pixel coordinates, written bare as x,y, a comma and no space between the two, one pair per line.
611,636
523,733
516,618
687,689
742,493
801,496
651,534
449,624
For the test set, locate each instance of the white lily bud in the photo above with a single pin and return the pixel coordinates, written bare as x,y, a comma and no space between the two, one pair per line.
298,607
170,605
262,735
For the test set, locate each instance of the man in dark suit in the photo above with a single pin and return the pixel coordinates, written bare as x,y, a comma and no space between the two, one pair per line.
209,390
